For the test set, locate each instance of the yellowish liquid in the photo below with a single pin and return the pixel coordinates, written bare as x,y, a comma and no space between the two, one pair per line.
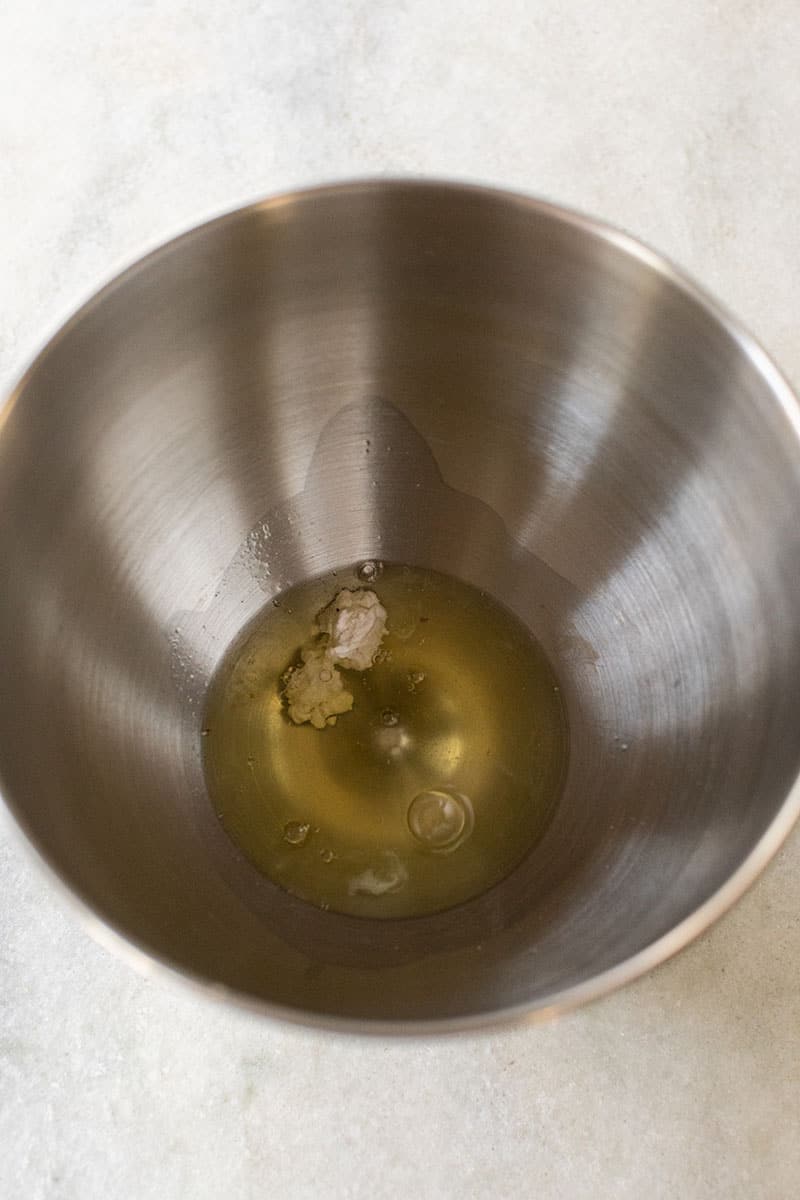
431,790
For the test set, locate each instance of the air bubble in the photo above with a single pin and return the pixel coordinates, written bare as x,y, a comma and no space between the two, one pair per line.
296,832
327,856
369,571
440,820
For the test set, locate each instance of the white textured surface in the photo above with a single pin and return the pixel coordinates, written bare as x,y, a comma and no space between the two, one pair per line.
121,123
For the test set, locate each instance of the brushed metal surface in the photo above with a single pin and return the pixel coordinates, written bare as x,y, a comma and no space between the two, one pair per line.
440,375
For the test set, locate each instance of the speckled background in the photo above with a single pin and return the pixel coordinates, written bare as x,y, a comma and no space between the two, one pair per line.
121,123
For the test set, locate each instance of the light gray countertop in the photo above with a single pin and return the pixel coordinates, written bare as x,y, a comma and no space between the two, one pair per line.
121,123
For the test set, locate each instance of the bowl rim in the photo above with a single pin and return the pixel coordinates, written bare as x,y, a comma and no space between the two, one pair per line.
150,963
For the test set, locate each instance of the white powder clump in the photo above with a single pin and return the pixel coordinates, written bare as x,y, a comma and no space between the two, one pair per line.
355,623
315,690
347,633
389,877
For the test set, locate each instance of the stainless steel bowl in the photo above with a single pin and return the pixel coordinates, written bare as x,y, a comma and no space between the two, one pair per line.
556,416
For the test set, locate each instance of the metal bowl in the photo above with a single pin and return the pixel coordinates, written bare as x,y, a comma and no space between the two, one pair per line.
556,416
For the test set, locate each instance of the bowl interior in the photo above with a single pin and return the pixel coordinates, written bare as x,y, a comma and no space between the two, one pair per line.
554,417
